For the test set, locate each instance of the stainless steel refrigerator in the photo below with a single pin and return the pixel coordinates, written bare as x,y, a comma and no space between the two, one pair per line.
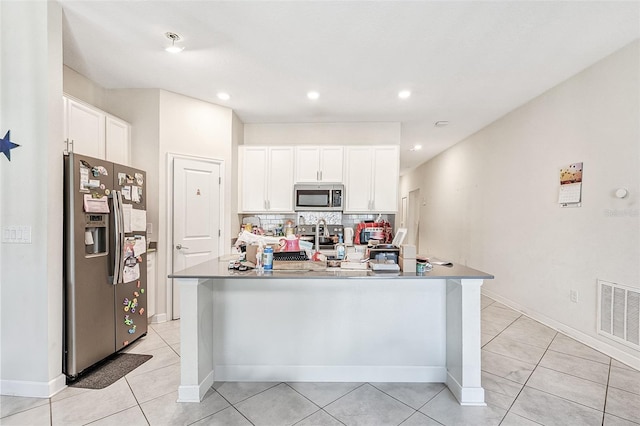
105,273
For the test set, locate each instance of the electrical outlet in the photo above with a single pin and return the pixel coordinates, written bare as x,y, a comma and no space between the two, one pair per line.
574,296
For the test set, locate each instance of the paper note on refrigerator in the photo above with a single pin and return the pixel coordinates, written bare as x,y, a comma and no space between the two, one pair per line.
126,217
131,273
95,205
138,220
140,245
135,193
126,192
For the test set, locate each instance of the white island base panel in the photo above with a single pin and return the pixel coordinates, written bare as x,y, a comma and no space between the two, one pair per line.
319,330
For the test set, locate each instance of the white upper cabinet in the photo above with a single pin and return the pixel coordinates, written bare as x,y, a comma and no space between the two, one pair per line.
319,164
372,178
118,135
93,132
266,179
84,129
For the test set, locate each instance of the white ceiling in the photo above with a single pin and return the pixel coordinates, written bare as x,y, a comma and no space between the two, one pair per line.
467,62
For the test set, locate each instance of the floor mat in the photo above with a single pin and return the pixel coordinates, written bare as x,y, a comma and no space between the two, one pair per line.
111,371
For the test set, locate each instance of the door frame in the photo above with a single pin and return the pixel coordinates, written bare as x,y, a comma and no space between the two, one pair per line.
171,156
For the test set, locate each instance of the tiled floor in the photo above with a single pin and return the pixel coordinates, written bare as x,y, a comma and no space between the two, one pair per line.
531,375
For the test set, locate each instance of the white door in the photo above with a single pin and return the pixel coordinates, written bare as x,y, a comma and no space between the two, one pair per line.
196,216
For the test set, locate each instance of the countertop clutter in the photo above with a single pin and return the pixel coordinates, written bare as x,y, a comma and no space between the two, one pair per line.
219,268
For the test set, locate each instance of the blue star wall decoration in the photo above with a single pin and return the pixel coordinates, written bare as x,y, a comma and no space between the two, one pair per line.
6,145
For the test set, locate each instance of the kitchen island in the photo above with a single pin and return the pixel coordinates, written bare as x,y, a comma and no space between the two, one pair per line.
330,326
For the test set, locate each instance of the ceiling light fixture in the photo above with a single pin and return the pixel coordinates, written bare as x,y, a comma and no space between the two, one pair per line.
173,48
404,94
223,96
313,95
416,148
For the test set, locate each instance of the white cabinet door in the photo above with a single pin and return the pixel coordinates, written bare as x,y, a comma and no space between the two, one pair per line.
266,179
280,180
118,135
319,164
84,129
331,162
307,164
372,176
253,186
358,170
385,179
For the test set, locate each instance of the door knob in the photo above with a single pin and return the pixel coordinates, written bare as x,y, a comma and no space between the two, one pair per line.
180,247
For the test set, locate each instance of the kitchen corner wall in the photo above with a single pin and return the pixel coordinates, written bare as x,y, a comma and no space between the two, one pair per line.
490,202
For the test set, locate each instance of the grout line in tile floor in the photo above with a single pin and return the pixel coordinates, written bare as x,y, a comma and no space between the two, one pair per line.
527,381
606,392
170,333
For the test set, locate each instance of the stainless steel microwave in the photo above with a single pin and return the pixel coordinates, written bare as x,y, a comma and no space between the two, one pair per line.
324,197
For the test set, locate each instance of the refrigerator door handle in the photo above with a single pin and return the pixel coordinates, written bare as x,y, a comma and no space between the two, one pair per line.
120,236
118,231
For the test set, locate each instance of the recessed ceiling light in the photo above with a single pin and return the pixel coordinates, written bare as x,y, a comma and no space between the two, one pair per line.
404,94
441,123
416,148
223,96
173,48
313,95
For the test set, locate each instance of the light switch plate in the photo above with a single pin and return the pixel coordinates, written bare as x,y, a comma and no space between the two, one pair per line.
16,234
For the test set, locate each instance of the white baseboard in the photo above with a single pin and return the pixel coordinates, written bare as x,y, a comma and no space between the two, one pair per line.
599,345
323,373
33,389
158,318
195,393
466,396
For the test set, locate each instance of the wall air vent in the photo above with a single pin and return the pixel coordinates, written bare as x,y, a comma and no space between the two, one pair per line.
619,313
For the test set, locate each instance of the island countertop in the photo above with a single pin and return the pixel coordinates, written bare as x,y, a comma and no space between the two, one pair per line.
219,268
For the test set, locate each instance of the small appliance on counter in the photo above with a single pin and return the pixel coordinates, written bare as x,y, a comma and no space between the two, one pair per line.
348,236
381,232
387,253
383,253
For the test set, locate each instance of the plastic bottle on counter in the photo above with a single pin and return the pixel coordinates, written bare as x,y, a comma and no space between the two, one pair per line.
341,249
259,257
268,258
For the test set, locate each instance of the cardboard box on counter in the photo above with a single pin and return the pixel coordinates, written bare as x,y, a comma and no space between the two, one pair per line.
408,251
407,265
252,251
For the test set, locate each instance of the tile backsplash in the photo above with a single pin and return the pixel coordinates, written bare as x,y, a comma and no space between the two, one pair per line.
271,222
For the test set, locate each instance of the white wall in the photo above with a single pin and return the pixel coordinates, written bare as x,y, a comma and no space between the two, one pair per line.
322,133
237,140
490,202
191,127
78,86
30,195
